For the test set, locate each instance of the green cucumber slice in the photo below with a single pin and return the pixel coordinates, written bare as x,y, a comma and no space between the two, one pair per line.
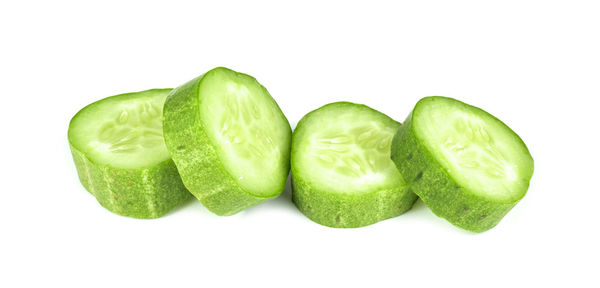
465,164
342,175
121,158
229,140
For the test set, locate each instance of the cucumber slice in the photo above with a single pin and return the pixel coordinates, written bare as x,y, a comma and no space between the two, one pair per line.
342,175
229,140
465,164
121,158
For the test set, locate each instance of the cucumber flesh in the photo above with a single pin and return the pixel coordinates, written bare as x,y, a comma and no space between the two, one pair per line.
345,149
121,156
245,124
448,148
229,140
123,131
341,170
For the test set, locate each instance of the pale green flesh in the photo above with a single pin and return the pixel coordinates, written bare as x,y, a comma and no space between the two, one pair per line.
124,131
249,132
481,153
347,150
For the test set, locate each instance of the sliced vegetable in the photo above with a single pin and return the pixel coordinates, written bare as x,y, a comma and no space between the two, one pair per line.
229,140
465,164
121,158
341,168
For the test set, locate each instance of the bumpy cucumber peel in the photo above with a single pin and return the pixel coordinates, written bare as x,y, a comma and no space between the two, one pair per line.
229,140
465,164
342,175
120,156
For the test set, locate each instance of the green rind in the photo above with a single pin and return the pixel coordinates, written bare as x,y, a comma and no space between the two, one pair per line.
345,210
438,190
196,158
140,193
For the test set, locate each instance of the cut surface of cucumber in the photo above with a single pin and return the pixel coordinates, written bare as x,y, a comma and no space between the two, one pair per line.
341,170
246,126
121,157
465,164
123,131
229,140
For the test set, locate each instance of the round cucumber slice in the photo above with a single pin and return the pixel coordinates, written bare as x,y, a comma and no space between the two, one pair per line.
121,157
229,140
342,175
465,164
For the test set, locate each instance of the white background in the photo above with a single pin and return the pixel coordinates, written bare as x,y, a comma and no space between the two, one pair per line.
533,64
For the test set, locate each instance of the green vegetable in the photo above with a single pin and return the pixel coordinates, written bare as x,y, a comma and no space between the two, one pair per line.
229,140
465,164
341,168
121,158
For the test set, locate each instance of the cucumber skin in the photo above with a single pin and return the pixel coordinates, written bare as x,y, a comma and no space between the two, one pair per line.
437,188
366,209
194,154
138,193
